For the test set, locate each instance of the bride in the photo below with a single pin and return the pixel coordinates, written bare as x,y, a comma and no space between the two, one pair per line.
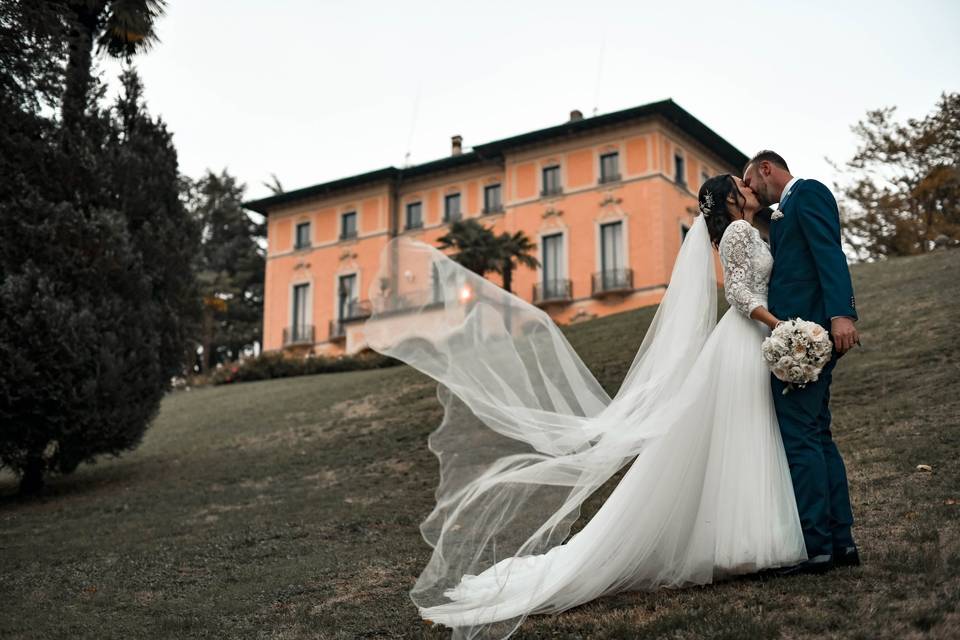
529,434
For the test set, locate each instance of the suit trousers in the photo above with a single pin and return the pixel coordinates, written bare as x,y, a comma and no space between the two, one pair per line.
818,473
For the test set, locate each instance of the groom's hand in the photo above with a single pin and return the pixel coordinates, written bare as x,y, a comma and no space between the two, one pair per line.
844,333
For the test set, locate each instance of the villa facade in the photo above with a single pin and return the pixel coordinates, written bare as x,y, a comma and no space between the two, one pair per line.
606,199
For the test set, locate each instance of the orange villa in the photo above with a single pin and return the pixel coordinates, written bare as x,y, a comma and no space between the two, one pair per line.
606,199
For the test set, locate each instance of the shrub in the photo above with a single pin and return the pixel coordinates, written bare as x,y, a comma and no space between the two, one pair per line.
276,365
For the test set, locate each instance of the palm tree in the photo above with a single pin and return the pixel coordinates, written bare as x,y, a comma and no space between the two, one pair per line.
122,28
518,249
478,248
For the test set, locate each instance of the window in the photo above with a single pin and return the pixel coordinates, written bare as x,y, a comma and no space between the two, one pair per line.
491,198
348,225
551,180
451,207
611,247
298,329
347,296
553,286
303,235
680,169
610,167
414,215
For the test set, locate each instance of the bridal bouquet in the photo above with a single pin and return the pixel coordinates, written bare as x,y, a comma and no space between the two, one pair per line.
797,351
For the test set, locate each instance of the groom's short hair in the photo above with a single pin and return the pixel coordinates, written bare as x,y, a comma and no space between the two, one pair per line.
770,156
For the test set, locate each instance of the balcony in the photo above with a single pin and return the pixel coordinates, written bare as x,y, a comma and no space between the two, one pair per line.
613,177
409,301
611,281
298,335
452,217
353,311
550,291
356,310
496,208
348,235
551,191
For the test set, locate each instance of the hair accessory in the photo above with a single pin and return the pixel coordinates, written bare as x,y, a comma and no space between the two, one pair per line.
706,205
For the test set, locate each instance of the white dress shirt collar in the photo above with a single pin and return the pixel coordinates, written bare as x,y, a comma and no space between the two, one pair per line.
787,187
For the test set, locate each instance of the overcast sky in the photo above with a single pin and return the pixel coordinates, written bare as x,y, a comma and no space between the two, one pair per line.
318,90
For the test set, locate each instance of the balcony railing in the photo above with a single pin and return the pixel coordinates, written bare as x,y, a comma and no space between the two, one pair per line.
354,310
337,330
552,291
551,191
612,280
414,299
496,208
452,217
613,177
298,334
348,235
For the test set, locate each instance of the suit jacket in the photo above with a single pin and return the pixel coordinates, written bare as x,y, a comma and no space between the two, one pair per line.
810,278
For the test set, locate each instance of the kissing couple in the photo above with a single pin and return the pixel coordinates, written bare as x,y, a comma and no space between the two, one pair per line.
724,473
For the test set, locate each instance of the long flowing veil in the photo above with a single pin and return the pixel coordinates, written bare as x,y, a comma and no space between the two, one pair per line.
528,433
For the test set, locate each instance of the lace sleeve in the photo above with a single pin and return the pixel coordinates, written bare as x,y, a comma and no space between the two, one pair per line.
737,254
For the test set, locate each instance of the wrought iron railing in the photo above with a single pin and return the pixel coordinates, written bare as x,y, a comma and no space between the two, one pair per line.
552,291
612,280
353,310
612,177
356,309
298,334
337,330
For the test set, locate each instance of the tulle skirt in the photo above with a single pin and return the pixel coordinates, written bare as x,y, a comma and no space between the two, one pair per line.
710,497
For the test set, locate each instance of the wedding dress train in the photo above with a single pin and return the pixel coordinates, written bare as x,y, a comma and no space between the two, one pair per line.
528,434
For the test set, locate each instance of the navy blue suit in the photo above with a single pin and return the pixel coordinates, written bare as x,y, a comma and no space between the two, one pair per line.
811,280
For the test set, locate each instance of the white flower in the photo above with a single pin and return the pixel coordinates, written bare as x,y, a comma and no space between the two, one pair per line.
776,215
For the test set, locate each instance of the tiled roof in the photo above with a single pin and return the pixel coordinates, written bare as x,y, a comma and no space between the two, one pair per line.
493,151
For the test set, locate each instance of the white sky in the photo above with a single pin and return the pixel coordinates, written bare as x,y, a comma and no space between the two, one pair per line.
315,91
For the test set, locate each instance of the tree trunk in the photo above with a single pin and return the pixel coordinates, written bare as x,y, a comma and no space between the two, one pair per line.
207,339
507,276
84,20
31,482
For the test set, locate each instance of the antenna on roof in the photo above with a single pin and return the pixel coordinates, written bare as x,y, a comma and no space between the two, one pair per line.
413,125
596,93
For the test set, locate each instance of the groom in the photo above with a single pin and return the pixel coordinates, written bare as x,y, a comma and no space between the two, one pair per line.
810,280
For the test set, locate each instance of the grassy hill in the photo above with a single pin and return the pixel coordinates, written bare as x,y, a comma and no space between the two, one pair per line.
289,509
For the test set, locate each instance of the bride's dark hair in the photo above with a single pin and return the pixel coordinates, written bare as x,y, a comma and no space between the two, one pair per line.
712,201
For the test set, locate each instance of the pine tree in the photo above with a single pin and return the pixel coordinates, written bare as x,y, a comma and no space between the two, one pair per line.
229,268
93,283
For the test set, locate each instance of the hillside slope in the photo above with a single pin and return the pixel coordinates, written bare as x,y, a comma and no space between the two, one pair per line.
289,508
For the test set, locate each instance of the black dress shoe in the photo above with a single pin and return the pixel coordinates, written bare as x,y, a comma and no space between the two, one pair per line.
846,557
815,565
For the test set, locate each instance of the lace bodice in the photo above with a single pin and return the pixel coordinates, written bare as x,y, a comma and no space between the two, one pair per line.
747,264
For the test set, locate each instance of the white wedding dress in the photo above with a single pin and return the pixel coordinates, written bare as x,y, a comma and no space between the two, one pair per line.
529,434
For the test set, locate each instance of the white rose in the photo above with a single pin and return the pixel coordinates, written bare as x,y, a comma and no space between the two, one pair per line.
777,344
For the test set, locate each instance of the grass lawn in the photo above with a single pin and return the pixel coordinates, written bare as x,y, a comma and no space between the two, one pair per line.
289,508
